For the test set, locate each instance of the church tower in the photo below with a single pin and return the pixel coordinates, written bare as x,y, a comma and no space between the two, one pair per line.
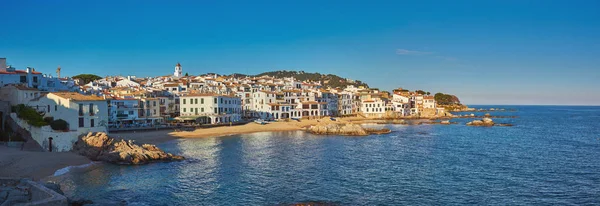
177,70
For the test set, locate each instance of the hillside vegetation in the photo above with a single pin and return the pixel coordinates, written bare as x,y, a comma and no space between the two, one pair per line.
87,78
328,80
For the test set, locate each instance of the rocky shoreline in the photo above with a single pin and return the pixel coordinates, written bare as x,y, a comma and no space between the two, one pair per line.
346,129
100,147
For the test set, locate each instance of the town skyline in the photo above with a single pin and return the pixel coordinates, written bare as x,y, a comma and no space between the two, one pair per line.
518,53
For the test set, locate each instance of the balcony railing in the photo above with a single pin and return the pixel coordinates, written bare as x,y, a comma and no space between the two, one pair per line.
122,116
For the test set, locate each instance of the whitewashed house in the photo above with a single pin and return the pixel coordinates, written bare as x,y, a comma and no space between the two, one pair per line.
19,94
210,108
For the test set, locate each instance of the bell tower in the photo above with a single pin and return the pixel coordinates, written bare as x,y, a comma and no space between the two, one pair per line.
178,70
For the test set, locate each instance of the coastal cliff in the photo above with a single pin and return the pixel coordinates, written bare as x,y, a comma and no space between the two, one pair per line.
100,147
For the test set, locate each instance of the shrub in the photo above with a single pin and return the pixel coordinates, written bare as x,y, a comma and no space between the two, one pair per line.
48,119
30,115
59,124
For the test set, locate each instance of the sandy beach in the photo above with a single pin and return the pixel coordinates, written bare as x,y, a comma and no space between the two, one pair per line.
35,165
155,137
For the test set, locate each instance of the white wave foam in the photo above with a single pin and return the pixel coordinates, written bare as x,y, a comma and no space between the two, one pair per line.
63,171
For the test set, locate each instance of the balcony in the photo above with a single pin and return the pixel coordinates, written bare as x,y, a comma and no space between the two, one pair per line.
122,116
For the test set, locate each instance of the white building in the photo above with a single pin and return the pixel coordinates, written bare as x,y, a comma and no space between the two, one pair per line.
19,94
83,114
123,111
210,108
374,108
178,70
428,102
345,104
29,77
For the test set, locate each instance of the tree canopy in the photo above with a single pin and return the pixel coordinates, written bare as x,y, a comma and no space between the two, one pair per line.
87,78
421,92
446,99
330,80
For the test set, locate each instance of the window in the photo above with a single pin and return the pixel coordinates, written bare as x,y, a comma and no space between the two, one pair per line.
91,109
91,122
202,101
221,100
23,79
154,111
183,101
183,109
81,110
215,101
80,121
216,110
35,79
55,107
130,112
48,108
202,109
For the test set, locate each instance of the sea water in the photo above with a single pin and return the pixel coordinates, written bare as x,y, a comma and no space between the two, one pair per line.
550,156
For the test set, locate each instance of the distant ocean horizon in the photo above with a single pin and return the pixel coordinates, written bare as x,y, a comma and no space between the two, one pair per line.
549,157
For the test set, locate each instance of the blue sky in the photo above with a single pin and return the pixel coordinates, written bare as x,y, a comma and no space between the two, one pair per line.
486,52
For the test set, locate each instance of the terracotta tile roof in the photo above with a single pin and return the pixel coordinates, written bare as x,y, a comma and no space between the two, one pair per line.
170,85
122,98
19,72
22,87
77,97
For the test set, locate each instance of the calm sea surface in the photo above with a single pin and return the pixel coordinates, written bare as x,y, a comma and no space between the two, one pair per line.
550,156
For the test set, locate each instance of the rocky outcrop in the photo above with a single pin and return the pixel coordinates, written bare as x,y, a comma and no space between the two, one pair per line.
100,147
486,122
345,129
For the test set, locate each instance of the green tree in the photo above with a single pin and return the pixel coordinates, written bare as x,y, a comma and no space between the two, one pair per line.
446,99
186,74
87,78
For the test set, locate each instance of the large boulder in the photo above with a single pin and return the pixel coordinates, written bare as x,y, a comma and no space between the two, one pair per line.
100,147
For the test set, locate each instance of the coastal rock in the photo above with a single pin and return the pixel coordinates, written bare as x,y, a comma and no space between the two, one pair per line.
484,122
100,147
487,120
445,122
344,129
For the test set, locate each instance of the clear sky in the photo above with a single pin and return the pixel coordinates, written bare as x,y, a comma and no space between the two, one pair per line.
485,52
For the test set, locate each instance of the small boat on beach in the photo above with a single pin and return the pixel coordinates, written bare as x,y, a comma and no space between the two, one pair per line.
261,122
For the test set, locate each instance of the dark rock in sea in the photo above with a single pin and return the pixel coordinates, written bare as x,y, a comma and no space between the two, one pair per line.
100,147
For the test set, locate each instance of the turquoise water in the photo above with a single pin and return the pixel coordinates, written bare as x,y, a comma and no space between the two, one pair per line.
550,156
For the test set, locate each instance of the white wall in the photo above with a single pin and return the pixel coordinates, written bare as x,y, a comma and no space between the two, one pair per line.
61,141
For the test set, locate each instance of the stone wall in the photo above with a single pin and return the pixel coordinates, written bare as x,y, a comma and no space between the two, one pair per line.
28,193
61,141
